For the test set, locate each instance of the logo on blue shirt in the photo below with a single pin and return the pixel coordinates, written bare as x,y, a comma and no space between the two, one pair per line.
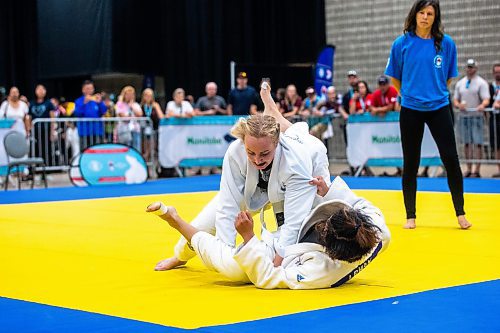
438,61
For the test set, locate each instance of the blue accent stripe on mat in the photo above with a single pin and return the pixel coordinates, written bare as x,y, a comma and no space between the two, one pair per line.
211,183
469,308
28,317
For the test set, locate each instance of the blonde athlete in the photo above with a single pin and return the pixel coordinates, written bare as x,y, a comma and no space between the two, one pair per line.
338,239
263,166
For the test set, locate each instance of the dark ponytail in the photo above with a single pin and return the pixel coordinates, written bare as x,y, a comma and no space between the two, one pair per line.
348,235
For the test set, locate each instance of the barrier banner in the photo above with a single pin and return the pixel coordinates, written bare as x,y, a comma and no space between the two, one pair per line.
374,140
194,139
106,164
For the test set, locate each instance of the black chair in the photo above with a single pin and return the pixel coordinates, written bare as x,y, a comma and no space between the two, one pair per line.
16,147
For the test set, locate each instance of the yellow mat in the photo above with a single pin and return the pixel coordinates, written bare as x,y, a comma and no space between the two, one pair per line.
98,255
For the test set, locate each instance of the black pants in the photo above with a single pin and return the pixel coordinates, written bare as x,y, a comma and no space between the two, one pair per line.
412,131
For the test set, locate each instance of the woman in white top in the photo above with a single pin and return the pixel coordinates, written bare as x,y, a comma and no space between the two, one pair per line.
129,132
14,108
179,107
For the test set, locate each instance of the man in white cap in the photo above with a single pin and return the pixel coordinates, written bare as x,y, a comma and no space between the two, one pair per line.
471,97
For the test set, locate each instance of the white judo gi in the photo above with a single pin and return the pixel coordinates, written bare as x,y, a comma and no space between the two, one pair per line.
305,265
299,156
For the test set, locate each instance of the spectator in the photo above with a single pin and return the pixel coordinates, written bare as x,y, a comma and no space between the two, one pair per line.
328,106
42,108
292,103
384,98
242,100
361,99
129,131
472,96
14,108
495,116
109,125
59,110
89,106
331,104
280,95
352,78
308,107
211,104
190,99
152,110
179,107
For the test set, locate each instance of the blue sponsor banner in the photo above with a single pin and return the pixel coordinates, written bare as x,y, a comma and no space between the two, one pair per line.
112,164
323,77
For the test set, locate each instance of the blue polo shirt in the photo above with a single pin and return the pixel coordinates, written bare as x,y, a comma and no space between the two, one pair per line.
89,110
241,100
423,72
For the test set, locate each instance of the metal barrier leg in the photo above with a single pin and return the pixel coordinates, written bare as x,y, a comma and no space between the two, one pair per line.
7,179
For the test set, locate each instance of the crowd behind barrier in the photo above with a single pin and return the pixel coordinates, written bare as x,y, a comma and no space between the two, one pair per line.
59,140
59,130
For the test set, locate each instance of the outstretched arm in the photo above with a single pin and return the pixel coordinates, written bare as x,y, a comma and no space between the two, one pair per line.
270,107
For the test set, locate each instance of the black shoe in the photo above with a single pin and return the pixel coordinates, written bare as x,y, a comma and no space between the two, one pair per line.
467,174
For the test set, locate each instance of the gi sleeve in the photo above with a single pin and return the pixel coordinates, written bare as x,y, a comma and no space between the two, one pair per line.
299,199
309,271
232,185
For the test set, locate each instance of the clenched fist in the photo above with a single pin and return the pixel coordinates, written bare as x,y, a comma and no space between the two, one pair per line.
244,225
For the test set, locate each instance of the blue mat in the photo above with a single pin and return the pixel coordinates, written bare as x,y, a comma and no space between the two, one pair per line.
211,183
469,308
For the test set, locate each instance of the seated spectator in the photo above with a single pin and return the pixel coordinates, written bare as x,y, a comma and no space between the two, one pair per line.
14,108
211,104
331,104
89,106
280,95
361,99
384,98
352,78
242,100
129,131
292,103
179,107
308,107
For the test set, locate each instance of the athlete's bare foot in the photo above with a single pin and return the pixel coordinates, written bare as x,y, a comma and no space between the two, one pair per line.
462,221
166,213
410,224
169,263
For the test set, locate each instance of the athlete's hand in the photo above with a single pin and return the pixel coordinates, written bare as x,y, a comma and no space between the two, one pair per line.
277,260
321,184
244,225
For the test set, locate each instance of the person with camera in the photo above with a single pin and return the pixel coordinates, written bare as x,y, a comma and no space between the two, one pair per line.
89,105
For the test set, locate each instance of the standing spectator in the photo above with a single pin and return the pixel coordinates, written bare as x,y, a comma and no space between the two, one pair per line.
109,126
292,103
361,99
211,104
129,131
422,61
242,100
179,107
308,107
14,108
42,108
384,98
495,115
352,78
472,96
152,110
89,106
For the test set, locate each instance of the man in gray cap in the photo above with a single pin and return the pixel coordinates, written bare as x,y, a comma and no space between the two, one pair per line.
471,97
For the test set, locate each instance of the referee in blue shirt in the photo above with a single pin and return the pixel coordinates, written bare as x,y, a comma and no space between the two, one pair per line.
421,64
